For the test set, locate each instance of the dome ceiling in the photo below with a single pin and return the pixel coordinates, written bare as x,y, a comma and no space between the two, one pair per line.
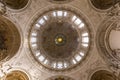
103,4
108,41
16,75
103,75
59,39
9,39
16,4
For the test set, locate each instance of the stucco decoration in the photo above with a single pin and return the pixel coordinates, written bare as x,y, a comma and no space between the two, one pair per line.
2,8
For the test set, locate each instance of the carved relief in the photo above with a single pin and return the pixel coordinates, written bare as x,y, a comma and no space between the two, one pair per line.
114,11
116,26
3,71
2,8
116,52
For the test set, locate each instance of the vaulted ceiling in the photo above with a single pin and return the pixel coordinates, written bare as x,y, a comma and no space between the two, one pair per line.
59,39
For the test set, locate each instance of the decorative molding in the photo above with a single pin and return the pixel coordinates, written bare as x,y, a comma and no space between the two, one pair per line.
114,11
2,8
60,1
110,23
60,77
